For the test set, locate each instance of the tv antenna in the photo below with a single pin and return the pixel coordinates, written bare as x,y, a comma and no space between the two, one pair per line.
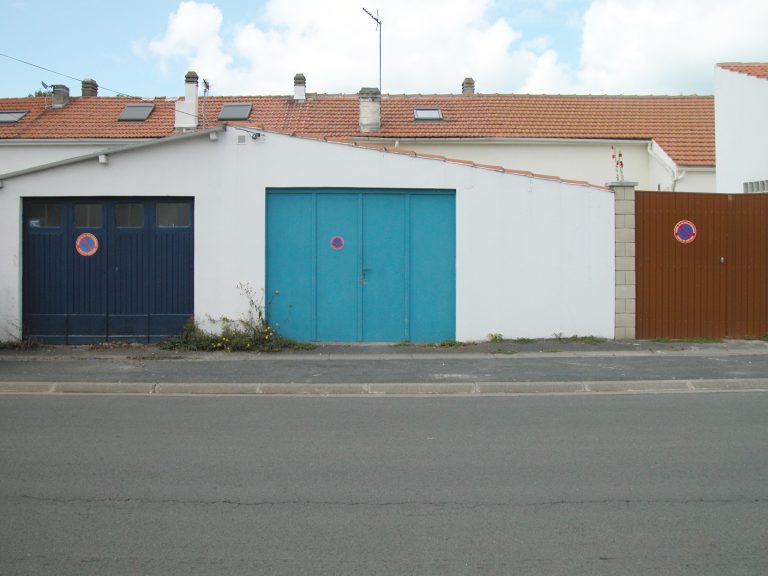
379,26
48,89
206,88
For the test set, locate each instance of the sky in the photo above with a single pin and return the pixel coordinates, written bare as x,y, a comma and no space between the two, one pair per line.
144,47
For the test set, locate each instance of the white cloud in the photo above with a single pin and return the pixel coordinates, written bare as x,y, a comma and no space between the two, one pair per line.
193,33
628,46
428,46
549,76
667,46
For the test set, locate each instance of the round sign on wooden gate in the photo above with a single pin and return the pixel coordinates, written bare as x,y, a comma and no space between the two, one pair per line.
685,231
87,244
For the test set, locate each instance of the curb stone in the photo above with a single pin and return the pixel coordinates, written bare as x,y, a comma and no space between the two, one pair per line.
384,389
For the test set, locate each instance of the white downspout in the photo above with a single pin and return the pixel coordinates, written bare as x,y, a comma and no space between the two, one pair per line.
667,162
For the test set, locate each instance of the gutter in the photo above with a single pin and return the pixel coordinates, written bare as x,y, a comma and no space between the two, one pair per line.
72,141
492,140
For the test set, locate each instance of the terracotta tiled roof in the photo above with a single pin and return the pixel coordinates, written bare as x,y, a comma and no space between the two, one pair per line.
93,117
756,69
682,125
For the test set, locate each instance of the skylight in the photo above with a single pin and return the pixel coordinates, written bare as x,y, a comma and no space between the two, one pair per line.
427,114
136,112
236,111
11,116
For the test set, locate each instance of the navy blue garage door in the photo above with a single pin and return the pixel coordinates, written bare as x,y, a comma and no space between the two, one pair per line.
107,269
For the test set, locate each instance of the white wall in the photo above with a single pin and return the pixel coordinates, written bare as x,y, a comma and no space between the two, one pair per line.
534,257
585,160
15,155
741,129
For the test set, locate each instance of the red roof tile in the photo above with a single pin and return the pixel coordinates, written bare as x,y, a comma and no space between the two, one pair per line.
92,117
682,125
756,69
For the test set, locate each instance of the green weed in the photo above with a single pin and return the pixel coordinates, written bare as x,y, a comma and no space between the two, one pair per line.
250,333
23,344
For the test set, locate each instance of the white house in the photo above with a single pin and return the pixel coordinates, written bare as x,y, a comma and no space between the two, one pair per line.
667,141
741,124
346,243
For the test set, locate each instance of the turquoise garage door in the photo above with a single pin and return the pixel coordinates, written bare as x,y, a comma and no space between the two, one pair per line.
361,265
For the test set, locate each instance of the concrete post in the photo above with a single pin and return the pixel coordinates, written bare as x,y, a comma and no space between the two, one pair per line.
299,88
186,110
626,280
60,95
90,88
370,109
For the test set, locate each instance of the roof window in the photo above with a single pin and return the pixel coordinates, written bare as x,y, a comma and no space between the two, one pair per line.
136,112
11,116
427,114
237,111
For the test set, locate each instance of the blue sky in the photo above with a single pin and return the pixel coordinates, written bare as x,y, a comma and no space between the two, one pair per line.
255,47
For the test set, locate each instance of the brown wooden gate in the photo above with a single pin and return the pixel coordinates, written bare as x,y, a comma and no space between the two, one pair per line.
715,286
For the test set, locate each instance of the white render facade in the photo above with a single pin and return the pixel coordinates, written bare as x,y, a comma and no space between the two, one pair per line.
741,126
19,154
533,257
645,162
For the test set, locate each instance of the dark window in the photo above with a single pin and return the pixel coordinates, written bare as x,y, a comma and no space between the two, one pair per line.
427,114
88,215
135,112
44,215
173,214
11,116
235,111
129,215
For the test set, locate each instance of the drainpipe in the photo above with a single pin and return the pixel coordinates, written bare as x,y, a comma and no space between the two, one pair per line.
668,163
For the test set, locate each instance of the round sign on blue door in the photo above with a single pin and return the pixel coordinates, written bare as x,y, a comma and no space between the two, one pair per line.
86,244
337,242
685,231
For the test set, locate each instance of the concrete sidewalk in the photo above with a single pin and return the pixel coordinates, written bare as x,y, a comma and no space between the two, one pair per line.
508,367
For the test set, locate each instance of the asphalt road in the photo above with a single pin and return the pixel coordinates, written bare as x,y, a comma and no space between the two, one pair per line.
527,485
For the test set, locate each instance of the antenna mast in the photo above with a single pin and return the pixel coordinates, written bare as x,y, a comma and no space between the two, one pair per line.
206,88
379,26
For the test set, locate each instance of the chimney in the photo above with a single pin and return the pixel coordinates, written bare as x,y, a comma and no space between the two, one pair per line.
90,87
468,86
186,110
370,109
60,95
299,88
